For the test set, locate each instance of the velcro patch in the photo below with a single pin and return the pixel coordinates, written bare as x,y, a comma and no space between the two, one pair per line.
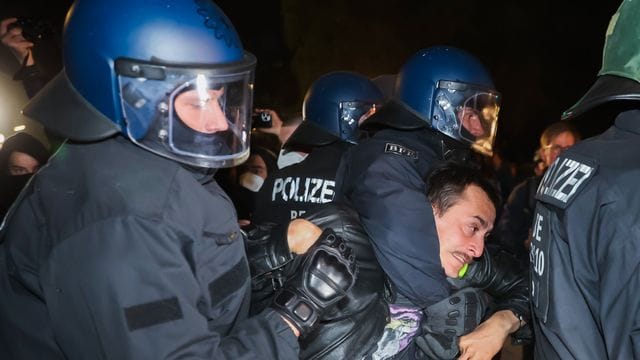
229,282
152,313
391,148
564,179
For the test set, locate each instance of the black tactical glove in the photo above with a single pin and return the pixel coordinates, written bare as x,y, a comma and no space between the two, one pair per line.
267,253
326,273
449,319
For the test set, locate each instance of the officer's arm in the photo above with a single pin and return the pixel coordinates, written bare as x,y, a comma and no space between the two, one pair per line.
145,290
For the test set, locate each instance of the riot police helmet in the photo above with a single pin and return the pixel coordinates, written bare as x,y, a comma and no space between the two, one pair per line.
334,105
171,76
450,91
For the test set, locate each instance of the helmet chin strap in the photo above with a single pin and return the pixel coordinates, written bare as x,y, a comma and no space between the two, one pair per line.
454,150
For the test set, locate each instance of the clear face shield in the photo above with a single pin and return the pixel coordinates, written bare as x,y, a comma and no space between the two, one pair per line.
352,114
197,116
467,113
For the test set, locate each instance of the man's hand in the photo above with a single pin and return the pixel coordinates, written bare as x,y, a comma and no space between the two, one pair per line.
13,39
327,273
276,122
487,339
301,235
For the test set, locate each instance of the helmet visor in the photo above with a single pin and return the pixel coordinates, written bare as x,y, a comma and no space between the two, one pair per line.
471,114
352,114
197,116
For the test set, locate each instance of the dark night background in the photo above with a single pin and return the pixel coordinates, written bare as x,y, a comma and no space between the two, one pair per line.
543,54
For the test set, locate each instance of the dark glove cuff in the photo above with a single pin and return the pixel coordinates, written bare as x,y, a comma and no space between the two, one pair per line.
296,308
267,248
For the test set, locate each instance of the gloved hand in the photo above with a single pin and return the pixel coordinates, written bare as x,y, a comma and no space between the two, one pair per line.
267,251
326,273
449,319
268,256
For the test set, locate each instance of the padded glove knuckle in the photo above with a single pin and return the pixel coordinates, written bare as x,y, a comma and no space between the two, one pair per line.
325,276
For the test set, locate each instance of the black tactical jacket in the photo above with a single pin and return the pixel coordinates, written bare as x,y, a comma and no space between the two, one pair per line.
585,250
116,253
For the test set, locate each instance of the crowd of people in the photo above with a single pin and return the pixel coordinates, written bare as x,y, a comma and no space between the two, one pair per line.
177,220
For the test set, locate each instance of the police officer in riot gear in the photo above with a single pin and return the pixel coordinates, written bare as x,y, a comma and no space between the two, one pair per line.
115,249
333,107
358,328
445,103
584,249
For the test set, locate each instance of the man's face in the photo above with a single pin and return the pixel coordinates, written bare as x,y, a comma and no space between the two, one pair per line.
470,120
21,163
201,112
256,165
463,228
368,114
559,143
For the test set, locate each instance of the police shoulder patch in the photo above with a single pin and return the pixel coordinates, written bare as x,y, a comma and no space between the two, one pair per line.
564,179
391,148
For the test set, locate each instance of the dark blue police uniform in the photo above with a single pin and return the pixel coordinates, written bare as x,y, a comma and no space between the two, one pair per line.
585,249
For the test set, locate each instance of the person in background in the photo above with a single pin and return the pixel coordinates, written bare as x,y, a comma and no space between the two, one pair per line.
123,246
585,239
23,36
20,157
289,126
514,227
251,176
333,107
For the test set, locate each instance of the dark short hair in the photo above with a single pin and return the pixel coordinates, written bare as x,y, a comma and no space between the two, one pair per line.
446,183
556,129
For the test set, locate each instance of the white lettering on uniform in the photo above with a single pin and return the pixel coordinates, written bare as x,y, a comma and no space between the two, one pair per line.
563,179
297,213
327,192
285,194
536,254
537,227
314,190
278,184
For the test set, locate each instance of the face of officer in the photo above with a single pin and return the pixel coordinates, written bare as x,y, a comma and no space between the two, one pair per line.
201,111
558,144
463,228
470,121
22,164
